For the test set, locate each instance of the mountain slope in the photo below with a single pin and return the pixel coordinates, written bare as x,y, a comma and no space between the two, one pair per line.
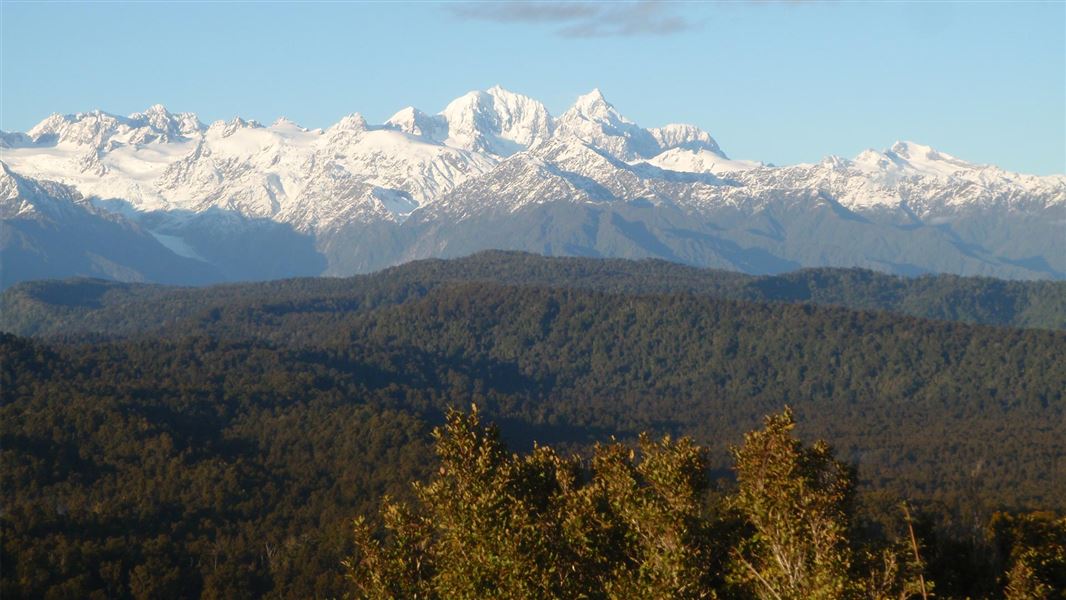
48,308
50,230
494,169
259,446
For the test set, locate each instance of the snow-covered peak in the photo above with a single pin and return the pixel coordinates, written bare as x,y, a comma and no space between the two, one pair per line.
595,121
497,121
228,128
922,177
13,191
8,182
917,151
352,122
50,125
910,159
834,161
701,160
156,114
286,123
158,160
869,156
520,119
415,122
688,137
157,124
98,131
594,106
90,129
500,91
406,116
24,197
927,159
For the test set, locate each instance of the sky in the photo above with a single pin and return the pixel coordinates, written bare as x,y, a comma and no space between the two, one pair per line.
782,82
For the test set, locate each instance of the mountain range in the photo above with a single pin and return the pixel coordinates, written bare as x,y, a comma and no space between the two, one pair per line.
161,197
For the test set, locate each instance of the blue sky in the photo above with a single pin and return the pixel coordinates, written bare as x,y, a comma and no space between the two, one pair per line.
783,82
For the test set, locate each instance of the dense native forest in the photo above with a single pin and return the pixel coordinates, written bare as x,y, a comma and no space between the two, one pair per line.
159,442
50,308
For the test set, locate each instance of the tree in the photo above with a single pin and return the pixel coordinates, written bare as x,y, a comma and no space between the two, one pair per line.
498,525
1035,546
798,502
795,499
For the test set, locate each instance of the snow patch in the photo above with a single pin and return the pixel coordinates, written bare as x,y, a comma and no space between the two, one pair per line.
177,245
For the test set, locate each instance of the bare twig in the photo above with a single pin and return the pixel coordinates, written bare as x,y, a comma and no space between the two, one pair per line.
914,546
760,577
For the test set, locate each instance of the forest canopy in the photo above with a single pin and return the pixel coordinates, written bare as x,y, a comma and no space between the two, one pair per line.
80,306
159,442
638,522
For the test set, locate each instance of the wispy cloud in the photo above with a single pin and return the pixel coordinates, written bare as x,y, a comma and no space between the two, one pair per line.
583,19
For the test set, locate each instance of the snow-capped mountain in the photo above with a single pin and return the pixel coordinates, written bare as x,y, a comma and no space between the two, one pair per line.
494,169
49,230
594,121
700,161
494,122
23,198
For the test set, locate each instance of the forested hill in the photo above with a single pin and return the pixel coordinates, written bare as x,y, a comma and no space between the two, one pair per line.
226,453
80,306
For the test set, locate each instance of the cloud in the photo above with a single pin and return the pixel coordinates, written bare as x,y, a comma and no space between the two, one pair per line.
582,19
